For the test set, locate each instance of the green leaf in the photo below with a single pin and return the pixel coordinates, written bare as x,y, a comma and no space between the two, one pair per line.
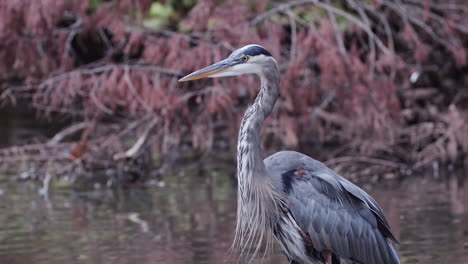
159,15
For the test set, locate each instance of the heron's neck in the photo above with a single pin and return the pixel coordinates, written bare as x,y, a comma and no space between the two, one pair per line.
249,155
257,209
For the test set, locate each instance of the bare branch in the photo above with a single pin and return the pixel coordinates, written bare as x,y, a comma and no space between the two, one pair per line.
373,57
346,159
292,22
338,38
96,100
133,89
67,132
131,153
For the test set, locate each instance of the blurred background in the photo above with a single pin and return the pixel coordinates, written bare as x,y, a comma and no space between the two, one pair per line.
106,158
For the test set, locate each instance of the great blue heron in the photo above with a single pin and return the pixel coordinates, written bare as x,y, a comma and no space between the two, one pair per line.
316,215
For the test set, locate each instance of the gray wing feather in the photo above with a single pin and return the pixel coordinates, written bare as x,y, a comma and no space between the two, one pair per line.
337,214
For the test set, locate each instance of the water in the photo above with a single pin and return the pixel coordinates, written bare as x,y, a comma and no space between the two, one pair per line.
20,125
191,218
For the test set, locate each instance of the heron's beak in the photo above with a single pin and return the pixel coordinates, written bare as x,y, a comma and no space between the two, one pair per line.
210,71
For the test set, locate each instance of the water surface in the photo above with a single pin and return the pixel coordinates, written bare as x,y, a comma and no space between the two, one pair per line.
190,219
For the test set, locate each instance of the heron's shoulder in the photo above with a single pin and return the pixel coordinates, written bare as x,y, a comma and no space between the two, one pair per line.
285,163
288,160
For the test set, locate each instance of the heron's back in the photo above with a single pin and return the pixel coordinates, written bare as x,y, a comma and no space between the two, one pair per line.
337,215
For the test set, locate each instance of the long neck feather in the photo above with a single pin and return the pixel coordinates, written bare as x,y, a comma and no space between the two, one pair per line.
249,154
257,199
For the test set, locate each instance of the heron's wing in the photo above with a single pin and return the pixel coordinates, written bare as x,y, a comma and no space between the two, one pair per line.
336,214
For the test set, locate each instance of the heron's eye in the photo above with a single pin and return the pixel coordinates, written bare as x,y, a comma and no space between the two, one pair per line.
245,58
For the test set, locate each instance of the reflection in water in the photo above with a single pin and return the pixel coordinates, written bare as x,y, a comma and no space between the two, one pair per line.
434,228
19,126
191,220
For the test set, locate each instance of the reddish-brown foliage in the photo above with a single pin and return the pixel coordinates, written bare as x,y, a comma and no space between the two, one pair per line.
345,86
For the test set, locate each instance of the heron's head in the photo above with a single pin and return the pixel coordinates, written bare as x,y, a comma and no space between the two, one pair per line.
249,59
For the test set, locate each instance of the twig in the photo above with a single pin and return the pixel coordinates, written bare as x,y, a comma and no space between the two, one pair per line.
338,38
400,9
311,26
96,100
292,22
130,153
135,218
280,8
323,105
332,118
388,30
63,110
66,132
132,126
44,191
73,32
373,57
100,69
442,6
348,159
438,18
8,94
134,91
